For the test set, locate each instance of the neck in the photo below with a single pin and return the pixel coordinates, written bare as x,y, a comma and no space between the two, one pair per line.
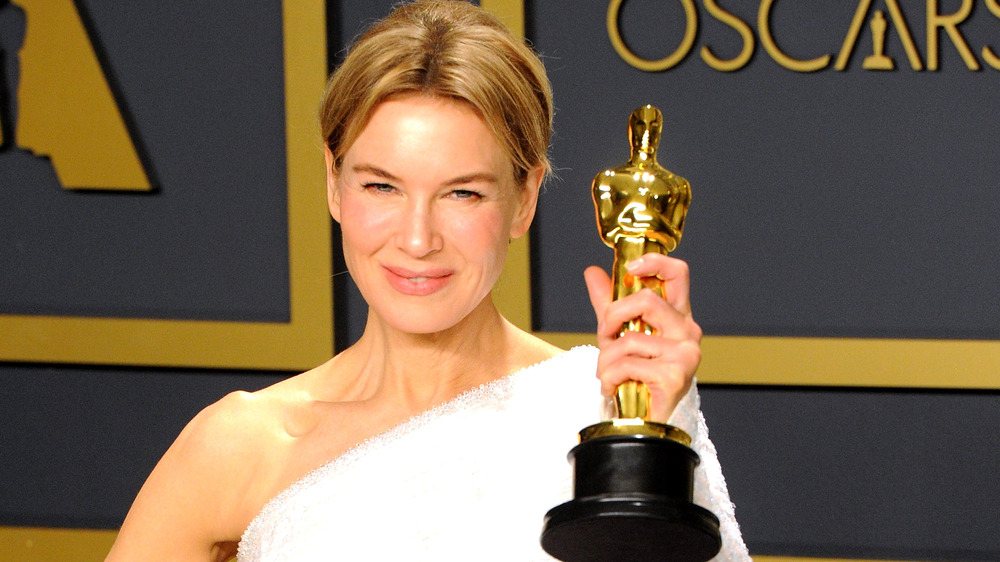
643,157
421,371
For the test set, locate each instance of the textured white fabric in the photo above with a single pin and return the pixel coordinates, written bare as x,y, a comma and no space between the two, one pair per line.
469,480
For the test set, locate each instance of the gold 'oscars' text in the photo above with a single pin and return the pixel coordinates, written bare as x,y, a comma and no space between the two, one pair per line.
939,27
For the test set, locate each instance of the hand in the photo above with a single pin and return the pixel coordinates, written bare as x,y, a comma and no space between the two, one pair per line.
666,361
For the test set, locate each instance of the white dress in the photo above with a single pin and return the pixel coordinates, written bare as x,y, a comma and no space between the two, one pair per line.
469,480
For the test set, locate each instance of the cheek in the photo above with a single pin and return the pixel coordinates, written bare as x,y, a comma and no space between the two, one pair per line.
483,235
361,226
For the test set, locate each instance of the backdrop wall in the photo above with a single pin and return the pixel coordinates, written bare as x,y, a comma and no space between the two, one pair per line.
831,202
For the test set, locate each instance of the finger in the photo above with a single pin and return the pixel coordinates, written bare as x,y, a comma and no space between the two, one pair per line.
667,383
674,273
653,310
667,378
632,344
653,351
600,291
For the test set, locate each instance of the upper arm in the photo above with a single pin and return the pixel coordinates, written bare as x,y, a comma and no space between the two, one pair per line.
189,506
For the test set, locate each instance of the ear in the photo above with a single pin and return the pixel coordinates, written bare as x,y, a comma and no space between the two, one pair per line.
527,202
332,190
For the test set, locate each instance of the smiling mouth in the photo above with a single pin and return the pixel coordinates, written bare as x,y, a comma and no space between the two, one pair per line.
410,283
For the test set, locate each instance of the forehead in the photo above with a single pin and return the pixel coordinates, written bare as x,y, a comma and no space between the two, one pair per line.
428,132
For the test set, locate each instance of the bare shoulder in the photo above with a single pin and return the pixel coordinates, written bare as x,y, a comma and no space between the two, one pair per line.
208,485
226,435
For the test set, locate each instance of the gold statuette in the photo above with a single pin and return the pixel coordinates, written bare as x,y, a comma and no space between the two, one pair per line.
633,478
640,209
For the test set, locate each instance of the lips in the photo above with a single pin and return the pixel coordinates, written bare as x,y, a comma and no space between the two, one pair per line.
417,283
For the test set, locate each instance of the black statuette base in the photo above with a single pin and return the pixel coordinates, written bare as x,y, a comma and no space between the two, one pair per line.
632,501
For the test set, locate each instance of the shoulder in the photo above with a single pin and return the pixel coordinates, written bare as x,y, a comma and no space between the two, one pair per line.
210,482
227,431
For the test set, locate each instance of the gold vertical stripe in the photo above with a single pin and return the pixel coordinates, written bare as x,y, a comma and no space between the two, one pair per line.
513,291
510,12
309,228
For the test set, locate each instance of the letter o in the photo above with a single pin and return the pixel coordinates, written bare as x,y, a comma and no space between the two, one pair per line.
691,29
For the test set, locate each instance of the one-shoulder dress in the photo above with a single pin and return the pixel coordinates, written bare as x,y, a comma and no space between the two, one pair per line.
471,479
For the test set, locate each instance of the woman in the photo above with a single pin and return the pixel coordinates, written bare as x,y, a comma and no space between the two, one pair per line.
435,435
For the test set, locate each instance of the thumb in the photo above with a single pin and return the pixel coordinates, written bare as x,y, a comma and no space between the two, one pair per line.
599,288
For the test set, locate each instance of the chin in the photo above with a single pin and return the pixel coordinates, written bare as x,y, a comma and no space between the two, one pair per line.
429,316
421,320
423,328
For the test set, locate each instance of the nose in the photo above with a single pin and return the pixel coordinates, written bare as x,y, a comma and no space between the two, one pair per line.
418,235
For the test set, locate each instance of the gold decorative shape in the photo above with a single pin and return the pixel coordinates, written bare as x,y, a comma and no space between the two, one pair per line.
878,59
68,111
989,57
779,56
307,339
668,62
898,22
949,23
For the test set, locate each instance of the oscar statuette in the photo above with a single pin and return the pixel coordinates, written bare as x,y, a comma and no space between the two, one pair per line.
633,477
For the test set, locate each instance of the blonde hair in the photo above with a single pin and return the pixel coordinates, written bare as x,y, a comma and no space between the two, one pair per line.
452,49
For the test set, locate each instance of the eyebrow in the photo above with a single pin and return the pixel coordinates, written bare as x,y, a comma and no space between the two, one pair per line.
374,170
484,177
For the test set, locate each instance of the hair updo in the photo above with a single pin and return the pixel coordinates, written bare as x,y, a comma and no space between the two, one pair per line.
451,49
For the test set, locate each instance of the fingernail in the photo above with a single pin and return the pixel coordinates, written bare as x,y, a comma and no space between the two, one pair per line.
634,264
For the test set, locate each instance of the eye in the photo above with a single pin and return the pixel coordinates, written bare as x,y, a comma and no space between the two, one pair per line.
379,187
466,194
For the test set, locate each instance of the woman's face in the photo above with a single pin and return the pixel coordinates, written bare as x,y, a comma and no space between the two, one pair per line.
427,204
